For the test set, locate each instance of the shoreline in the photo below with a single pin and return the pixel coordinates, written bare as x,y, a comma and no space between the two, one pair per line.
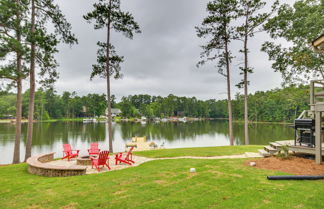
10,121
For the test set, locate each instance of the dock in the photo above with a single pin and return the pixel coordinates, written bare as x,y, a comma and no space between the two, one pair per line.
141,144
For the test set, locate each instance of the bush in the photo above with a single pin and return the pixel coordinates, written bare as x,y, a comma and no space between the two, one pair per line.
46,116
284,152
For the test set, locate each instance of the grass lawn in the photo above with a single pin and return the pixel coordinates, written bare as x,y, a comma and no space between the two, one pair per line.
225,183
200,151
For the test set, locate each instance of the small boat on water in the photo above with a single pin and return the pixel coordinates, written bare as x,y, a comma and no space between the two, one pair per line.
164,120
157,120
184,119
89,120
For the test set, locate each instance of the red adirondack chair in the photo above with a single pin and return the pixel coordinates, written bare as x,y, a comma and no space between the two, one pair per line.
69,153
94,150
125,157
102,159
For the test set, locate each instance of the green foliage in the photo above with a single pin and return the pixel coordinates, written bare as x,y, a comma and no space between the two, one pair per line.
46,116
49,105
156,106
49,13
96,104
108,14
298,25
99,69
275,105
249,11
217,29
13,18
7,105
284,152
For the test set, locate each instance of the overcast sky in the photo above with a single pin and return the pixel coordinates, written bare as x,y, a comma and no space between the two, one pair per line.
159,61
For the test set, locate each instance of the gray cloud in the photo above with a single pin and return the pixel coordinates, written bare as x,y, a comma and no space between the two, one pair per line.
159,61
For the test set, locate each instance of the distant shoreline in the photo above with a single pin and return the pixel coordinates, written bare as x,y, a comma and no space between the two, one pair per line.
10,121
259,122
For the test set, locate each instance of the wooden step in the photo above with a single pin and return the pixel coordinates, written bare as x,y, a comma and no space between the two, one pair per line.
275,145
321,93
270,149
264,153
285,142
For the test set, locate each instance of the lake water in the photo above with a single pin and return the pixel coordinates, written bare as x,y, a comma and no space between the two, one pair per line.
49,137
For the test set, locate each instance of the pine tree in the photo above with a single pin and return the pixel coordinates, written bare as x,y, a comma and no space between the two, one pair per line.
253,19
217,28
108,15
42,49
12,18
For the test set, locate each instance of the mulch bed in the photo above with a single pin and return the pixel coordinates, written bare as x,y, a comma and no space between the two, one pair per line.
293,165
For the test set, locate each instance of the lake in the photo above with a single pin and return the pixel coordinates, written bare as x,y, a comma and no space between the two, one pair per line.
49,137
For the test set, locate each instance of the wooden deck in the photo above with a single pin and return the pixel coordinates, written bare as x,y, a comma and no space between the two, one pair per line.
275,147
298,148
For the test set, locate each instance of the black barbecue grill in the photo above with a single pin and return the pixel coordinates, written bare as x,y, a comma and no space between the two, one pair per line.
304,132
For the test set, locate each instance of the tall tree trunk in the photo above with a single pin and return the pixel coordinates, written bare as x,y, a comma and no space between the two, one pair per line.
229,102
246,110
32,87
16,156
108,86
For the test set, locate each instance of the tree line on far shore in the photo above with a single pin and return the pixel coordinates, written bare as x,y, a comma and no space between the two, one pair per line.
50,105
277,105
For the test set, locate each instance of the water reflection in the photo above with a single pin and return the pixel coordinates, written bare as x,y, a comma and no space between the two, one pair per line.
49,137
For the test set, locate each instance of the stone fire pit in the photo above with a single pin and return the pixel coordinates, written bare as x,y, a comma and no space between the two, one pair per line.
83,160
45,165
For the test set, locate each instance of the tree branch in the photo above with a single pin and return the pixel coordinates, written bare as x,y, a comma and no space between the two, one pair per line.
5,31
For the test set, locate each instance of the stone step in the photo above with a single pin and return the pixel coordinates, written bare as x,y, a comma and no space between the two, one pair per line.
270,149
264,153
275,145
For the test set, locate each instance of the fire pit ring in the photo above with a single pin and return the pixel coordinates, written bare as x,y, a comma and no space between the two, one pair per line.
84,160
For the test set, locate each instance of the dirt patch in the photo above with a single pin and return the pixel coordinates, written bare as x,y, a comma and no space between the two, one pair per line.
161,182
216,172
168,174
190,175
35,207
119,192
293,165
236,175
211,166
299,206
72,205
